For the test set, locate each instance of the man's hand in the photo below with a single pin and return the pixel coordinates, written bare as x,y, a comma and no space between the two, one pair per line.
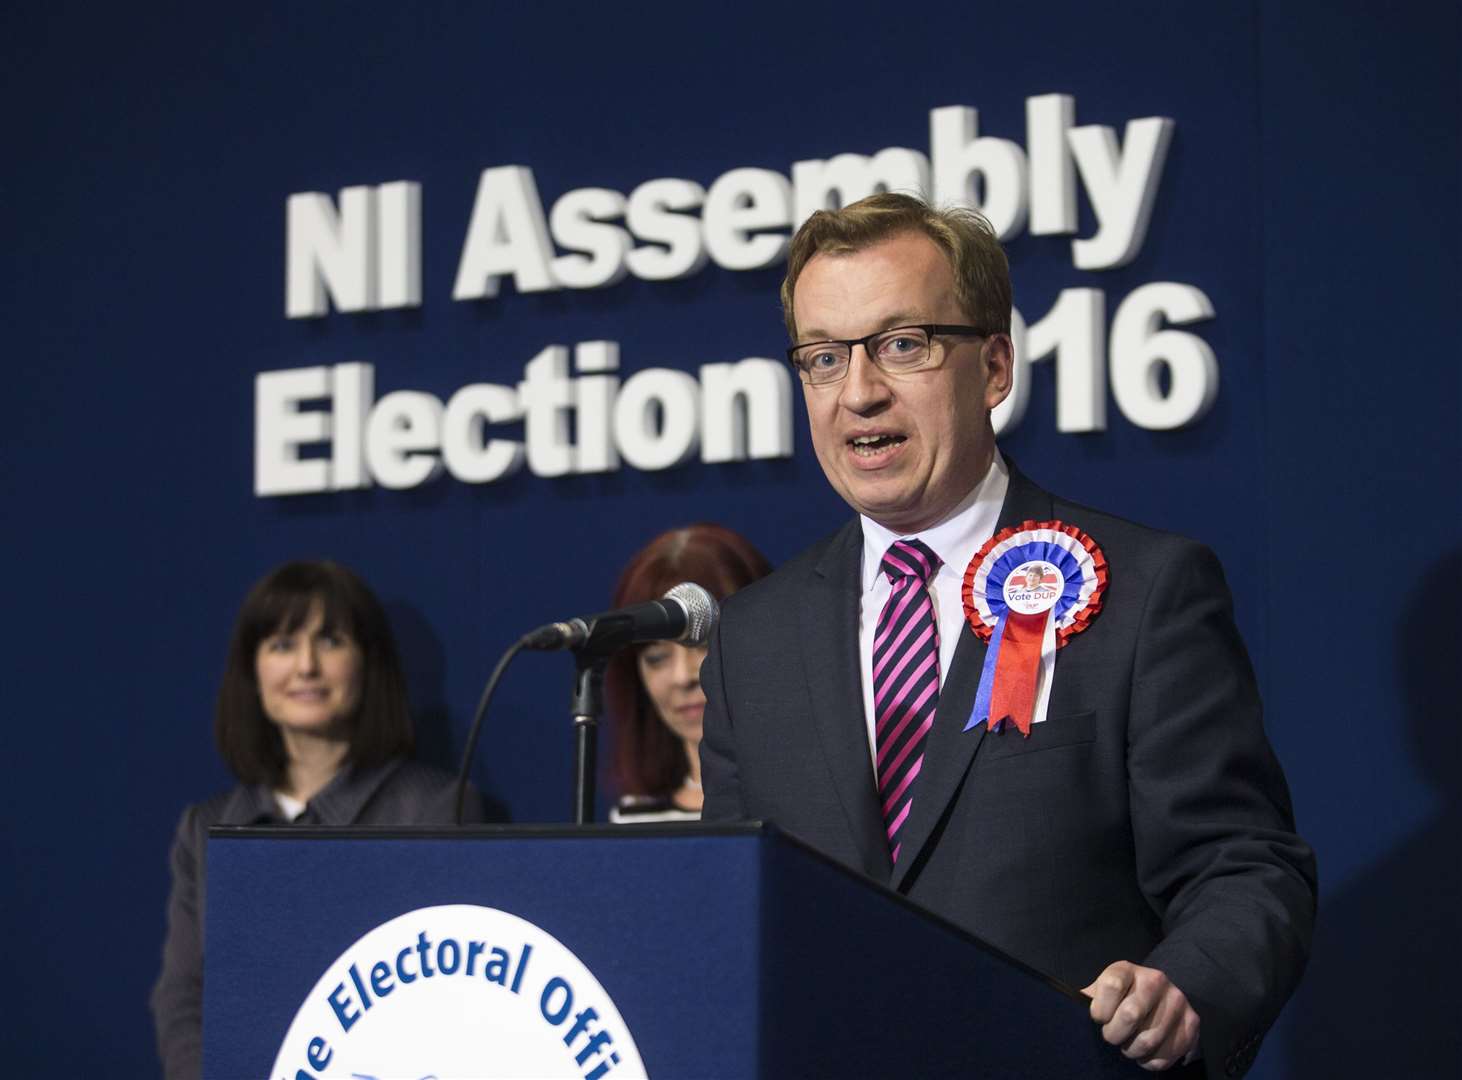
1144,1014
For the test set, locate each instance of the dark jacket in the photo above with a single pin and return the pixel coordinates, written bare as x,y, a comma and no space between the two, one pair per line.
1146,820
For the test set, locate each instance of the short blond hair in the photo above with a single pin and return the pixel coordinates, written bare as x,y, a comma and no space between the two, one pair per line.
981,273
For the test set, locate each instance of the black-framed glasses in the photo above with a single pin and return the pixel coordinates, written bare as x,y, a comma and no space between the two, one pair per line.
896,351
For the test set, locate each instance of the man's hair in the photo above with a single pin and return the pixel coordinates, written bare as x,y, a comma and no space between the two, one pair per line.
981,274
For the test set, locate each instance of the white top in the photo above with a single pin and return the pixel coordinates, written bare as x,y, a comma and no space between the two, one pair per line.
290,808
955,540
646,810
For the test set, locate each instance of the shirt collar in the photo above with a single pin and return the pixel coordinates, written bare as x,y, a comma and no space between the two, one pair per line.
955,539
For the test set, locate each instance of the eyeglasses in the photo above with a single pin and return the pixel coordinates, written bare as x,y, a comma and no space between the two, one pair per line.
897,351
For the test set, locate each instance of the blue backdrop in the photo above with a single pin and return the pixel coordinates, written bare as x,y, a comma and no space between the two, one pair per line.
1311,191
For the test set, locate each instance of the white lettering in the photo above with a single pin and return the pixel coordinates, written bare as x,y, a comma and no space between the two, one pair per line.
280,429
329,251
579,223
398,225
506,235
1052,170
469,454
1073,331
594,396
546,396
1142,353
1122,185
986,173
746,410
655,418
402,430
353,388
366,257
675,248
740,204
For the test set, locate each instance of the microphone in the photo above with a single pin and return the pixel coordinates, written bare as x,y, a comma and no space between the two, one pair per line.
687,614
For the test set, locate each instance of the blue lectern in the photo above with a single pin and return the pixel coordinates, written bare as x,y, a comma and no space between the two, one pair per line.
728,951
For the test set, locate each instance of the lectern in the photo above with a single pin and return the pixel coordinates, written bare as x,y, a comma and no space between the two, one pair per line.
726,951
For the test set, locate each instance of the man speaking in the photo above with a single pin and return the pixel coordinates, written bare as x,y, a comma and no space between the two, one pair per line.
1030,717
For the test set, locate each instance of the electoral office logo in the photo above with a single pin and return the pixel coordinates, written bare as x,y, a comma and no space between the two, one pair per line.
458,991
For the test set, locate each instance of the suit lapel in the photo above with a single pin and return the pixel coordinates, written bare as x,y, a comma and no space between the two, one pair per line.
829,625
950,749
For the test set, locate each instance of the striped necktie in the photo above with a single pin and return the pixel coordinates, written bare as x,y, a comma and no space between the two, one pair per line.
905,679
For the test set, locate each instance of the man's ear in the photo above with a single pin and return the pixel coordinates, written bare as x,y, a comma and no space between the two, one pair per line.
998,356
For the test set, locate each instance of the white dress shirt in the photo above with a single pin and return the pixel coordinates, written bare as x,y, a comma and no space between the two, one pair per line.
955,540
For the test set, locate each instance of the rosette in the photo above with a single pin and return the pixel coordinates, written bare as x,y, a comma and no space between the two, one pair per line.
1027,592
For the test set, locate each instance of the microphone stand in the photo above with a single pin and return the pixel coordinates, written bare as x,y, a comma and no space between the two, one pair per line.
588,703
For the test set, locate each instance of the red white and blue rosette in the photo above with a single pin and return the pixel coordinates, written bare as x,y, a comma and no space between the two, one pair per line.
1027,592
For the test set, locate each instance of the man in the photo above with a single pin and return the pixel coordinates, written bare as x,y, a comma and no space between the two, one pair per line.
1134,835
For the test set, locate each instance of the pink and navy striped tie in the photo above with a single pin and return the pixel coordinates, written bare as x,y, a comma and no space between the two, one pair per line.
905,680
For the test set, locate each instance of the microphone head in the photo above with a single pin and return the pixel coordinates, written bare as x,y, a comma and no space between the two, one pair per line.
701,612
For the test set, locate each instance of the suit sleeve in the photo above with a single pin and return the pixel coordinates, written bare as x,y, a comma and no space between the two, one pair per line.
1216,845
719,775
177,998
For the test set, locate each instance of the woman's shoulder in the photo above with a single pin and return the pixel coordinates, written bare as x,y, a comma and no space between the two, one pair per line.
240,805
649,809
410,773
411,792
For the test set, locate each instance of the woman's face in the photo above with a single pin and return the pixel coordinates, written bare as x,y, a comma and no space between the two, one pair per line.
309,680
672,677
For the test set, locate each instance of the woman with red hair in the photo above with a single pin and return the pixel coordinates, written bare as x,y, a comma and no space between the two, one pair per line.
653,692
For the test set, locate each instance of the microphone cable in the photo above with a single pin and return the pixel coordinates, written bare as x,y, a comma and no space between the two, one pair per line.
477,719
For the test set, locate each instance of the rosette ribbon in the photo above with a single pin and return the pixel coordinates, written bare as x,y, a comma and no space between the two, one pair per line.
1027,592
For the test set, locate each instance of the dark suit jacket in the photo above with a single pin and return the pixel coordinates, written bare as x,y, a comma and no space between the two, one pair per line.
1146,820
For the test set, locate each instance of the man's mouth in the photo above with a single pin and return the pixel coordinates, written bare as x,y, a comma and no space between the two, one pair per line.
872,445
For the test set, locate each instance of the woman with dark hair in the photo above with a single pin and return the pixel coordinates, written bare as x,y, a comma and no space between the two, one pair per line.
312,719
653,693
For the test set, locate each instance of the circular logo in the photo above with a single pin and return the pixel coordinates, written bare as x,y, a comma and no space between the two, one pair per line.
458,991
1033,587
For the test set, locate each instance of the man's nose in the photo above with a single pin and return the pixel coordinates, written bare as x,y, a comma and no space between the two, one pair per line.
865,387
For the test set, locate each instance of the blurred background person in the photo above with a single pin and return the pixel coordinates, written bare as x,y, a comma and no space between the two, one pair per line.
653,692
312,718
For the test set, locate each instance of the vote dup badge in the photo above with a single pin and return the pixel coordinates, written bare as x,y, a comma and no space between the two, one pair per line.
1027,592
